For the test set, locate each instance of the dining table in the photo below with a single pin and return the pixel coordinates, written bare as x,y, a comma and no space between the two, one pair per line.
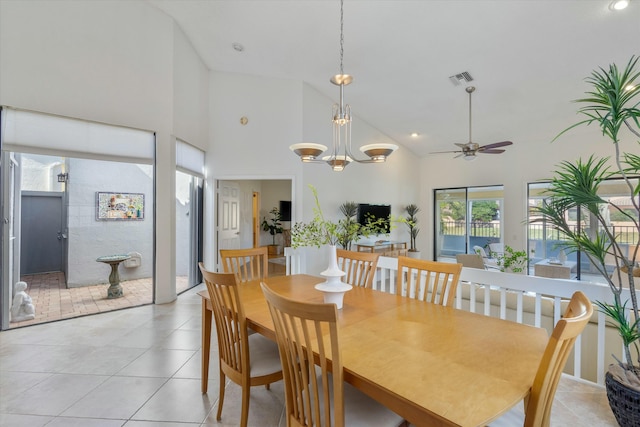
431,364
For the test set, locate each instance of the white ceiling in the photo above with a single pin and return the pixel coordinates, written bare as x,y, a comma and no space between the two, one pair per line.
528,58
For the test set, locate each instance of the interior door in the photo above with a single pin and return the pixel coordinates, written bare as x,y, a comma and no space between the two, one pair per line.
228,216
42,232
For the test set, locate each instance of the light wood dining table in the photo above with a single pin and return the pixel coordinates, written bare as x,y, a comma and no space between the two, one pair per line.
433,365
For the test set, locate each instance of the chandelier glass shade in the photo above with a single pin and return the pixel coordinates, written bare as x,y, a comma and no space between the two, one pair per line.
341,153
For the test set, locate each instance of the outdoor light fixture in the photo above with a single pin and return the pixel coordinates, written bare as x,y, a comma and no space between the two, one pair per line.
341,155
63,177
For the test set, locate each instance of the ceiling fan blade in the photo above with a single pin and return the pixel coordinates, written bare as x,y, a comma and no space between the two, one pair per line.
460,145
459,155
496,145
491,151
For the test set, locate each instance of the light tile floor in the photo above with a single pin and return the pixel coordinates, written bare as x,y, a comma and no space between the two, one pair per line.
140,367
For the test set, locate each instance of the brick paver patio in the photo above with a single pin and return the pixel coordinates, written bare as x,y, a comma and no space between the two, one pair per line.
53,301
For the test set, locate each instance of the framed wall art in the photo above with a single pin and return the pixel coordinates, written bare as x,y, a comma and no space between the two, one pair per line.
119,206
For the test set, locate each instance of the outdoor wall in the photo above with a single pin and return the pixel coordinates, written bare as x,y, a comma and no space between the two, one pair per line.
40,173
90,238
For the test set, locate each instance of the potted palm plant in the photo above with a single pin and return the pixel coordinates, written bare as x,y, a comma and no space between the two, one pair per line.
412,223
350,228
612,103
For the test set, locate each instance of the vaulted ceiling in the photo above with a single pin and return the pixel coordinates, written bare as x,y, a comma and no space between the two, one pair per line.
528,58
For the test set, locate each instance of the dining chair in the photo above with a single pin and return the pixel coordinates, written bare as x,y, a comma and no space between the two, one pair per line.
315,392
295,260
538,402
359,266
246,264
247,360
470,260
430,281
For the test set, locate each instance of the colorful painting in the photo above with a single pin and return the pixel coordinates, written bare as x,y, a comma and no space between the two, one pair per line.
123,206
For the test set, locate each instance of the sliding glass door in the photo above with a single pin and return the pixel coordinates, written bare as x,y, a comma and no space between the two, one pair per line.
189,214
467,217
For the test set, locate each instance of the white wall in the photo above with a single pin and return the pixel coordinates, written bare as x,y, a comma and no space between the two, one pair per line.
117,62
522,163
255,151
393,182
283,112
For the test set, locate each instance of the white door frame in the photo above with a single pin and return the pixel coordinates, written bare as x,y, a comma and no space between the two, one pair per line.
211,232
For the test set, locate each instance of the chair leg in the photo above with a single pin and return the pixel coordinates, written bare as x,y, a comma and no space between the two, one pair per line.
223,380
244,417
267,386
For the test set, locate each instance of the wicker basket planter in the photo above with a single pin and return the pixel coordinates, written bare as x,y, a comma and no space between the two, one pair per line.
624,402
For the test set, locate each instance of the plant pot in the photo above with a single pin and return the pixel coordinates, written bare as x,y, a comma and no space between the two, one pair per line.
272,249
414,254
624,402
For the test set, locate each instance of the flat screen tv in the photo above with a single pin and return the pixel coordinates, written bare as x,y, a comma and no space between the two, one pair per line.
374,212
285,210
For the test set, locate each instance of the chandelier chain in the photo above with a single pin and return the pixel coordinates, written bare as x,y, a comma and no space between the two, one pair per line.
341,34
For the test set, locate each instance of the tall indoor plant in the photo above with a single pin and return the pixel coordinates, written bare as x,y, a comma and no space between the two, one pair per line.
412,223
350,228
612,103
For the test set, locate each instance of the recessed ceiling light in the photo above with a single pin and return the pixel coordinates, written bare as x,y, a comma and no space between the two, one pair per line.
414,134
238,47
629,88
619,4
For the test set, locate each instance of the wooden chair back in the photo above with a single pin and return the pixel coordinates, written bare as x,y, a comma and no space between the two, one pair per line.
246,264
310,393
538,403
231,324
470,260
359,266
430,281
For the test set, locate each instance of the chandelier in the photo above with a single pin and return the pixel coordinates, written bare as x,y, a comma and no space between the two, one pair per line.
341,155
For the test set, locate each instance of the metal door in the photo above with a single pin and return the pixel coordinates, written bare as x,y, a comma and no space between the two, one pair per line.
42,233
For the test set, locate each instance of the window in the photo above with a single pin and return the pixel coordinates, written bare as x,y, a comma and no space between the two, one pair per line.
545,241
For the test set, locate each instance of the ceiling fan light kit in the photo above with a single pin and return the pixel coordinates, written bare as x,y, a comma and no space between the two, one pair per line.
470,149
340,155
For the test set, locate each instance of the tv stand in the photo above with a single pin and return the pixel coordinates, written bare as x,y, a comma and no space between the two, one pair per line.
388,248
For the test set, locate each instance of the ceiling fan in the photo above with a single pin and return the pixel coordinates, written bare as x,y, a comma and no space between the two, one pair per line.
470,149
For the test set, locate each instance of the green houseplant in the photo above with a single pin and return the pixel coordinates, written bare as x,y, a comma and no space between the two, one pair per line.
412,223
321,231
273,224
350,228
510,260
611,103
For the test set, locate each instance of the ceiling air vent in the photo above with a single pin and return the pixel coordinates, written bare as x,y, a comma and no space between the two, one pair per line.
463,77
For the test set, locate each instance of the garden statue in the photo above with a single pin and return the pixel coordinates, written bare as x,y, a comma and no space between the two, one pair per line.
22,308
